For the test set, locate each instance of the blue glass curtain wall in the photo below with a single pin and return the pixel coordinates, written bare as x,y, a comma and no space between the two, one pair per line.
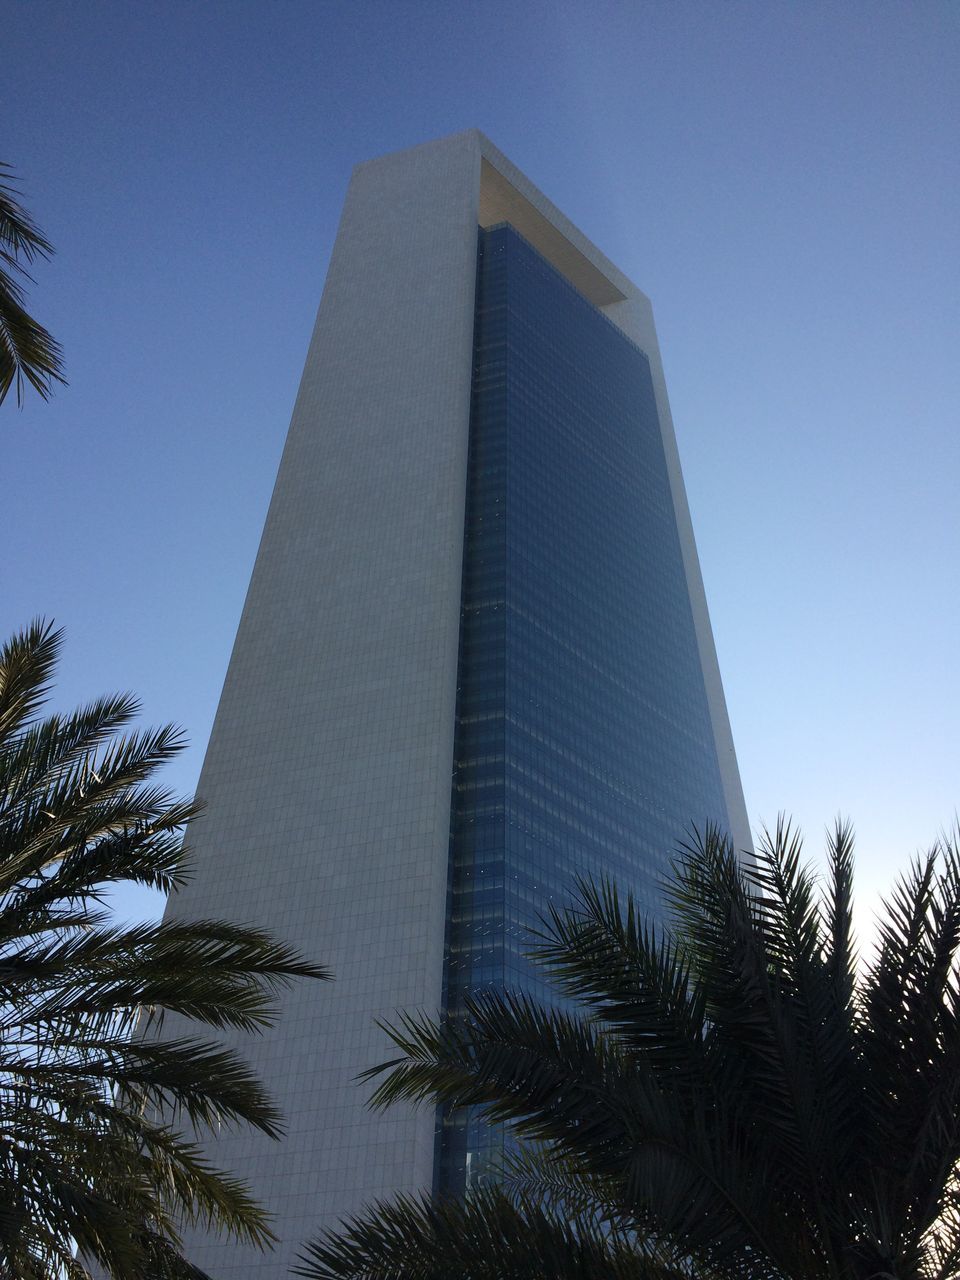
583,738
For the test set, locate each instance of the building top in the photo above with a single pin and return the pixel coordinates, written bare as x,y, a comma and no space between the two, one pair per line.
507,195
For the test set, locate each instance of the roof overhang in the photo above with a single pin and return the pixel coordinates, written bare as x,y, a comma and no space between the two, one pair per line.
500,201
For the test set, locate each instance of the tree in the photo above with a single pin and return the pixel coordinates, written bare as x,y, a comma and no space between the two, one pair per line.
728,1098
26,349
91,1101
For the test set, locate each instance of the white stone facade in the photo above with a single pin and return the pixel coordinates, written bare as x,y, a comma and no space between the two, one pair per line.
327,777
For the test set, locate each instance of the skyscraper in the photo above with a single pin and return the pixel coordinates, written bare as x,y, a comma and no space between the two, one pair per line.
474,659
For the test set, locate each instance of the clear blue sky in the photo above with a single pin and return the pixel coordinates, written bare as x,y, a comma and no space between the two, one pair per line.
782,179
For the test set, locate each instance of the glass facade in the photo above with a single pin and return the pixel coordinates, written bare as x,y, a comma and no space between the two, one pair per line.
583,741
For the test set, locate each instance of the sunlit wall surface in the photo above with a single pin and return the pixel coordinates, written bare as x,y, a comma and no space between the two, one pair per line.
583,739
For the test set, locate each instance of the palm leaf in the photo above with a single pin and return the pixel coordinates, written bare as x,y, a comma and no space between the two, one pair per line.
27,663
486,1237
726,1097
89,1092
27,350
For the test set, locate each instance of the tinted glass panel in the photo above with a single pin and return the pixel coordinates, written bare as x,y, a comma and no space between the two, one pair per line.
583,741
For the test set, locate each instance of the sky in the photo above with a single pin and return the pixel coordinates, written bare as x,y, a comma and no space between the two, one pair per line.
782,179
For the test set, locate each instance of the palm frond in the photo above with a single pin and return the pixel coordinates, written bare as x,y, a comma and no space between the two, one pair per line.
43,751
27,350
840,950
633,976
27,663
727,1098
89,1091
486,1237
20,237
539,1068
211,971
910,1039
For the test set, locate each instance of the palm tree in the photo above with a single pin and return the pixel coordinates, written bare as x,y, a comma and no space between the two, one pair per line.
26,349
728,1098
92,1163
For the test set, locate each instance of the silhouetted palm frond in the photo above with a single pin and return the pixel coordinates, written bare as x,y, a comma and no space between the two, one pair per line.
728,1097
91,1155
487,1237
27,351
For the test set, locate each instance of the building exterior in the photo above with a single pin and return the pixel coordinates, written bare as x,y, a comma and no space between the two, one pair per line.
474,660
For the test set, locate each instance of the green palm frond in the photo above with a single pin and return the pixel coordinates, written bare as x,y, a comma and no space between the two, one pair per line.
234,969
546,1072
91,1167
26,672
540,1173
911,1041
486,1237
727,1098
27,351
839,947
631,975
